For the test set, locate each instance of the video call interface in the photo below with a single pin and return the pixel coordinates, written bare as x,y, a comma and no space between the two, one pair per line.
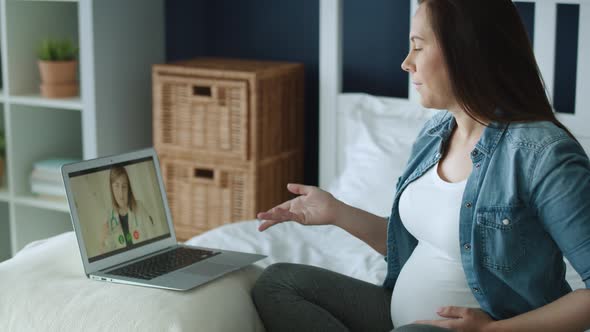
119,207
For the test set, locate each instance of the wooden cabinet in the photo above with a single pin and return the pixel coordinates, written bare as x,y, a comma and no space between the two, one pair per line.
229,136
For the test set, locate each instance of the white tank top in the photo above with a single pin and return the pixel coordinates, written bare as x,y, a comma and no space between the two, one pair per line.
433,276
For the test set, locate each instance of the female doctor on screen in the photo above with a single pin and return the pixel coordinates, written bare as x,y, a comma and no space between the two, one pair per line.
128,222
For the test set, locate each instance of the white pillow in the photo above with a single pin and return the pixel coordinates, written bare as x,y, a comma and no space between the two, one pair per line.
378,134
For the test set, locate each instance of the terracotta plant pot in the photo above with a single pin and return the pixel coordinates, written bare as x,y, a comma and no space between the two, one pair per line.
59,78
59,90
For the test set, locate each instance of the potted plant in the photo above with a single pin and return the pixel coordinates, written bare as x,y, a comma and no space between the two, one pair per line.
58,67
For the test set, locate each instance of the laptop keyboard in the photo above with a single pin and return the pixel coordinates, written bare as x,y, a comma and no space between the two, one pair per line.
163,263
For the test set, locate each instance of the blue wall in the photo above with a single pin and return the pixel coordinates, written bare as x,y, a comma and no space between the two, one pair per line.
375,42
289,30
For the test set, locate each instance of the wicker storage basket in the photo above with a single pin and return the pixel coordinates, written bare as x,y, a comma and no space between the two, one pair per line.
204,195
202,115
229,135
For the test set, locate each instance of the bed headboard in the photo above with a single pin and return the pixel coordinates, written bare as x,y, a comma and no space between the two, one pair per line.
558,63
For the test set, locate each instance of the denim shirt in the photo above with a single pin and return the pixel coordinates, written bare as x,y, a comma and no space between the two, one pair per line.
526,204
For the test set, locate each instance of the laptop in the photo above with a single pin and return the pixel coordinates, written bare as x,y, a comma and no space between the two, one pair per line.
125,233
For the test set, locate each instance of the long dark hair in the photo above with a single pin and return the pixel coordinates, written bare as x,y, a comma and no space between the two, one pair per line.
490,61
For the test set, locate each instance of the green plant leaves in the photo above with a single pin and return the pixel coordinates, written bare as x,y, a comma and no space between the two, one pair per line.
57,50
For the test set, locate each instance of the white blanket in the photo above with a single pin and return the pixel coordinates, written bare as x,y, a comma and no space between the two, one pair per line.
43,288
324,246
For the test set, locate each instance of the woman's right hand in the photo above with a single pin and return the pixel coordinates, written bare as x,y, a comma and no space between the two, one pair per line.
313,206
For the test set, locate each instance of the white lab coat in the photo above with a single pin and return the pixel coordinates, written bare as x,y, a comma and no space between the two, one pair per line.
142,226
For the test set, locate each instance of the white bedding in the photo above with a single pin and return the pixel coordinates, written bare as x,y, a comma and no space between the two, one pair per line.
324,246
44,288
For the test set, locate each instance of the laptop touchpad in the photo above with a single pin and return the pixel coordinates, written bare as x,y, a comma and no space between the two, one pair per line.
208,269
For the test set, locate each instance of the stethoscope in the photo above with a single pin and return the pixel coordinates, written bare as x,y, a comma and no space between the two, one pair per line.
115,221
121,238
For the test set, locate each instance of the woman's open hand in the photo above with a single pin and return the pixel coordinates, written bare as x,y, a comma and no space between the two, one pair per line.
461,319
314,206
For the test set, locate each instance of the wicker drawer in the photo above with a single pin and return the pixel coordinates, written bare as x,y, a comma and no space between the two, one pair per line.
202,197
229,136
200,115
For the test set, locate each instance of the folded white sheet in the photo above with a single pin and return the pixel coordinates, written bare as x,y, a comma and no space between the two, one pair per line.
43,288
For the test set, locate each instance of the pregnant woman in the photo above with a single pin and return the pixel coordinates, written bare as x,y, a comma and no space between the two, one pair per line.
495,193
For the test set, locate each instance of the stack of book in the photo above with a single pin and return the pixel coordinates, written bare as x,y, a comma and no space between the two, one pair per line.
46,180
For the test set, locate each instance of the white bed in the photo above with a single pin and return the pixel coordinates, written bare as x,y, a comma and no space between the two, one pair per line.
43,287
364,144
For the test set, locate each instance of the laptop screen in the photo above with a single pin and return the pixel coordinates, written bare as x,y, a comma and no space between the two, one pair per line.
119,207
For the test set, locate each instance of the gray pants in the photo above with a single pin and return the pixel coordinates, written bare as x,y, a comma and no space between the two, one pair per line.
295,297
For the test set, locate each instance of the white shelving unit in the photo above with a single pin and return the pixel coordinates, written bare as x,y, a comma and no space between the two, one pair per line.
118,41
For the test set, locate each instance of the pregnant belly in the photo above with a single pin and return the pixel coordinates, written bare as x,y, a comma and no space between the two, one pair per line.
429,280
